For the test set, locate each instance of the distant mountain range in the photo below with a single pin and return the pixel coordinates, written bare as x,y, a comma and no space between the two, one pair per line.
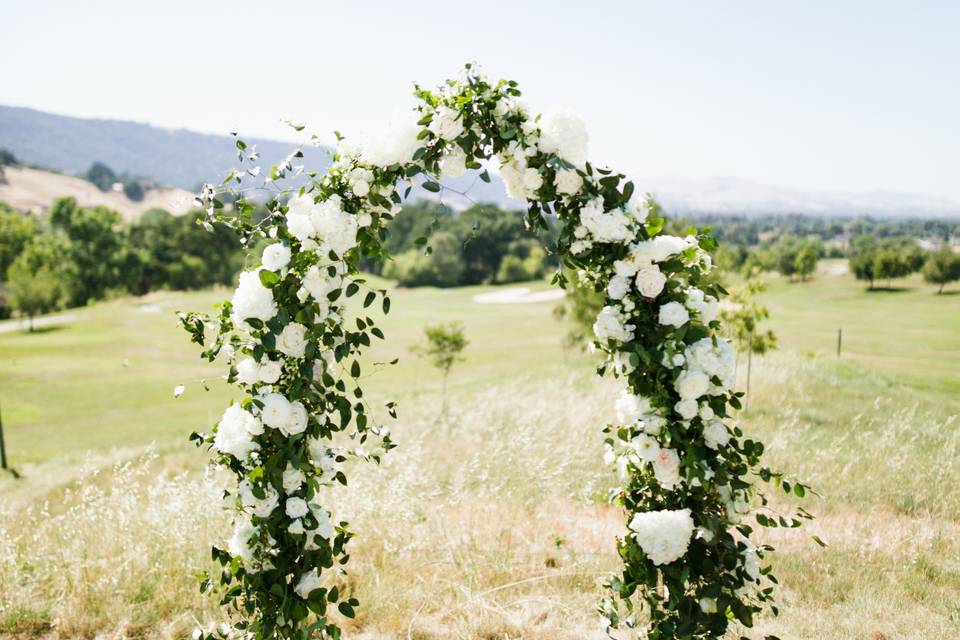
185,159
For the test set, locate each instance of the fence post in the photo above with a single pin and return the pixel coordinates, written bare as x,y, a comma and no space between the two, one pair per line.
3,448
839,340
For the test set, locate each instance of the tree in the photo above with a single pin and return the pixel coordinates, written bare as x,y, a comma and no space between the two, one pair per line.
35,280
444,342
863,250
805,261
740,316
889,264
101,175
16,231
942,267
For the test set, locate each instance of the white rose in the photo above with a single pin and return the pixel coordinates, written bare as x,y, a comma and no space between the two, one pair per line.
618,287
248,371
296,527
260,507
297,420
646,447
692,384
276,411
309,582
666,468
663,535
687,408
674,314
650,281
275,256
609,327
708,605
293,478
532,180
239,544
715,435
270,371
292,341
446,123
454,162
296,507
568,182
665,246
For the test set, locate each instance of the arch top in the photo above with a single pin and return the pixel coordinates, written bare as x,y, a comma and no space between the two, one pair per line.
689,564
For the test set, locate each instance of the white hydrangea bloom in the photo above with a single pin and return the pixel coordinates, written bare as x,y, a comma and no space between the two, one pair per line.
606,226
610,326
395,145
564,133
663,535
260,507
719,360
334,228
235,432
252,299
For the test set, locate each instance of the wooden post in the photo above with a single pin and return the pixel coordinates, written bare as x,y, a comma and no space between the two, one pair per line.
839,340
3,448
746,397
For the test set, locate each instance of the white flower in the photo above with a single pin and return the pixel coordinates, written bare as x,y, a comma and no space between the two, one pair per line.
323,459
650,281
293,478
564,134
276,411
324,523
568,182
252,299
395,145
708,605
239,544
296,507
334,228
663,535
235,432
647,447
296,421
751,563
678,359
319,283
631,408
609,226
296,527
709,310
618,287
665,246
454,162
673,314
532,180
666,467
610,327
275,256
309,582
706,411
719,360
715,435
292,341
687,408
248,371
260,507
446,123
692,384
299,209
270,371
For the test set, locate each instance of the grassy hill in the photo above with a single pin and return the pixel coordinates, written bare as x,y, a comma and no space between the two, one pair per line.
490,523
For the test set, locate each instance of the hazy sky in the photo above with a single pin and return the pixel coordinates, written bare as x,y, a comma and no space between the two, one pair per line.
817,95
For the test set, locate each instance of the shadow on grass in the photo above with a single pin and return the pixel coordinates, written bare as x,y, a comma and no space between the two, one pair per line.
879,290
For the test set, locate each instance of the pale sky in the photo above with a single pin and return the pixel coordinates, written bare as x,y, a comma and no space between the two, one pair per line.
847,96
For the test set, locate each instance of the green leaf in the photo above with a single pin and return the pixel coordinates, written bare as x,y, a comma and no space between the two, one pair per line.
268,278
346,609
429,185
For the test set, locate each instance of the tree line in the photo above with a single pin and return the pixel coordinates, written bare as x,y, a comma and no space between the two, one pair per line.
74,255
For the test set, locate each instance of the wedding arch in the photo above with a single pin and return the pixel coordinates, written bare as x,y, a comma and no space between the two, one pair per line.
293,345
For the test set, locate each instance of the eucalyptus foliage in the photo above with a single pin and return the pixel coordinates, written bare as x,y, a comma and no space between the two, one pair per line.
293,348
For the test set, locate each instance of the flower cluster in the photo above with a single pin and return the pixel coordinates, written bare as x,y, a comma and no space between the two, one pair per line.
293,355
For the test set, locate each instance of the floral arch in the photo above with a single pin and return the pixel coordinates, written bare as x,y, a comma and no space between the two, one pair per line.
293,346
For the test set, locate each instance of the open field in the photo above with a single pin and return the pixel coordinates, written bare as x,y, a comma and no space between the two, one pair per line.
490,524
